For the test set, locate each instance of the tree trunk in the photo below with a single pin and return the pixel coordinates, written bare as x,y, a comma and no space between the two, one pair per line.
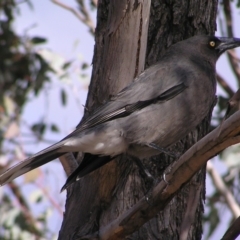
119,56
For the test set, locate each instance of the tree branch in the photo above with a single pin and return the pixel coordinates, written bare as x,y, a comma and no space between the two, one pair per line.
189,215
68,162
88,21
223,189
32,223
232,60
223,83
51,199
84,17
94,3
177,175
233,231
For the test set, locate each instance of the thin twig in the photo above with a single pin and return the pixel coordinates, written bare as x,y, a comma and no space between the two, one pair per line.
84,17
68,162
234,56
233,231
51,199
94,3
25,209
223,83
65,6
232,60
88,21
223,189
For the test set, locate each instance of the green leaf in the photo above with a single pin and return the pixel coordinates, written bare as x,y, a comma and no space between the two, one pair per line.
36,196
222,102
231,156
63,97
38,40
238,3
66,65
39,128
9,105
54,128
212,219
85,66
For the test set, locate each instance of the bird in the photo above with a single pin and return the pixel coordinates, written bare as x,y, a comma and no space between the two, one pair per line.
160,107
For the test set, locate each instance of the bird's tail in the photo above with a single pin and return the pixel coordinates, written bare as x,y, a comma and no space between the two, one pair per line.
89,164
29,164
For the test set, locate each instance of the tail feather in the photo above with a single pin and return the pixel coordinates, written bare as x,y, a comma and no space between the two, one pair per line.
89,164
29,164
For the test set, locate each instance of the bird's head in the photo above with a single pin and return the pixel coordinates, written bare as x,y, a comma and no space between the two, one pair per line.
214,46
209,47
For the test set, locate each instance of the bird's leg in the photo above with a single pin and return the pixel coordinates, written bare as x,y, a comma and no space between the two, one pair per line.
143,169
155,146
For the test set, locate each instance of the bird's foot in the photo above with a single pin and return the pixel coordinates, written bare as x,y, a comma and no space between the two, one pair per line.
148,194
143,169
162,150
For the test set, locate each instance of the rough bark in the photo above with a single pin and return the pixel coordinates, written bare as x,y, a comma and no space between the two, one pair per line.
119,56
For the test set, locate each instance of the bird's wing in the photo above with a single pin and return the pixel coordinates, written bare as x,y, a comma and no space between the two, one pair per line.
89,164
147,89
130,108
116,108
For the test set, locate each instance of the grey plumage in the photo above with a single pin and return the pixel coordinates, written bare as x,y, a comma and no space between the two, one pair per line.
160,106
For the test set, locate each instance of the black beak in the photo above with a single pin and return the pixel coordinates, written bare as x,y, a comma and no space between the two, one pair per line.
227,43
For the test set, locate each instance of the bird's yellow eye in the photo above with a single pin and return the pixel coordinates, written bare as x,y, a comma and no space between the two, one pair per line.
212,44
